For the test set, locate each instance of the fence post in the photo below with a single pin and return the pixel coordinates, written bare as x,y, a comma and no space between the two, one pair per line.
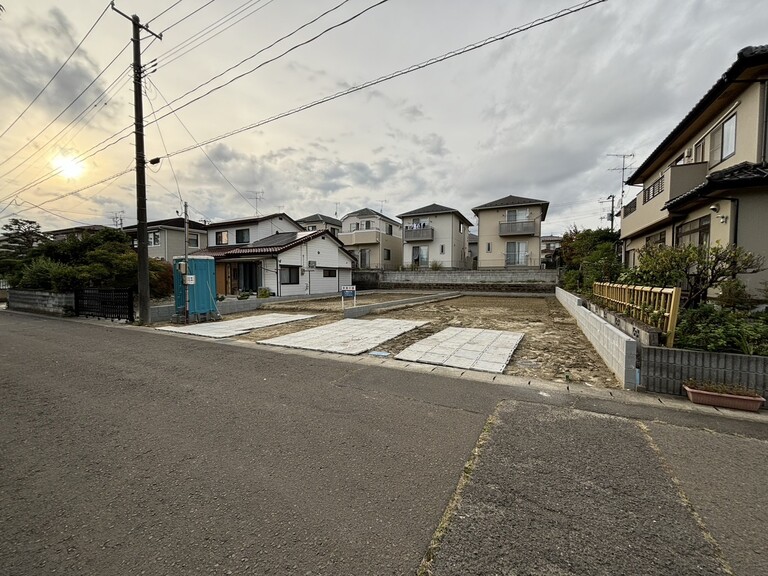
673,312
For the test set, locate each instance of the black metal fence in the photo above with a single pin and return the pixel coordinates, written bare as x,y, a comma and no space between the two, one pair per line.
112,303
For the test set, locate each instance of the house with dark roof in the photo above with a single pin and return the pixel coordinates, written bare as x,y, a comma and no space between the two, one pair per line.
436,235
286,263
166,237
509,232
321,222
707,181
235,275
374,239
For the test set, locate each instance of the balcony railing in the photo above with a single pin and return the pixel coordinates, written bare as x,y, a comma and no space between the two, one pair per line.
631,207
518,228
420,233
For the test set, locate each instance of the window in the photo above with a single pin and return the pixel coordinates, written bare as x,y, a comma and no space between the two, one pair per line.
222,238
193,241
357,225
658,238
367,224
389,229
694,233
289,275
242,236
698,152
420,255
387,254
722,141
488,247
153,239
329,273
461,227
442,248
311,228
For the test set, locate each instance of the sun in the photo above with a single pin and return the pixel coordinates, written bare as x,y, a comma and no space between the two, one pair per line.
68,166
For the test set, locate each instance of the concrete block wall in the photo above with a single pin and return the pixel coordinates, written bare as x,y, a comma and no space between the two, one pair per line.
618,351
40,302
531,275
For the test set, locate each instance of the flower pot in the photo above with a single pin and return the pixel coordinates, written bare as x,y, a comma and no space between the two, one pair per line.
752,403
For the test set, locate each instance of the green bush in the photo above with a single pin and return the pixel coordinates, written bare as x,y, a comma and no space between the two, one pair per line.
718,330
571,280
39,274
160,278
263,293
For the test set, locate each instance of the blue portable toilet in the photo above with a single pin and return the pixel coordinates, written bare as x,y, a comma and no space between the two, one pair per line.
200,276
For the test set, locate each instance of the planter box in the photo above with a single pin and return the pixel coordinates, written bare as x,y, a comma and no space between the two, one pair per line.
752,403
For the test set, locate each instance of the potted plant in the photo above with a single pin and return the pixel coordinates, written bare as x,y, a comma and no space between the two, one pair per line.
723,395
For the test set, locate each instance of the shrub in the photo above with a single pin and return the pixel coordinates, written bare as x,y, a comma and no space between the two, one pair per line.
436,265
39,274
263,293
571,280
717,330
160,278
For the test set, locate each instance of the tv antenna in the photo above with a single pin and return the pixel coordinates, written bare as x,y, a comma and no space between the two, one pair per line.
256,197
624,168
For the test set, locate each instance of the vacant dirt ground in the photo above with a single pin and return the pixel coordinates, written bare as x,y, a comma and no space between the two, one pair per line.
553,347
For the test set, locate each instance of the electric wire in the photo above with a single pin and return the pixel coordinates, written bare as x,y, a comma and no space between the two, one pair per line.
185,17
227,180
57,71
212,36
435,60
28,142
270,60
162,141
171,7
207,29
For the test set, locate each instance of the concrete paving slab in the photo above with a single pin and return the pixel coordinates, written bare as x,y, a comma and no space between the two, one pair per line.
470,348
348,336
229,328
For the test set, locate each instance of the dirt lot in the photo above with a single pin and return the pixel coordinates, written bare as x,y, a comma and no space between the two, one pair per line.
553,347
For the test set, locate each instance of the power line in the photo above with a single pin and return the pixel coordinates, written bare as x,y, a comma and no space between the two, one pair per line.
162,141
269,61
68,105
185,17
57,71
512,32
171,7
203,151
171,55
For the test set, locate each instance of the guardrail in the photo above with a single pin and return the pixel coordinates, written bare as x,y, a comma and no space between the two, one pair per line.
657,307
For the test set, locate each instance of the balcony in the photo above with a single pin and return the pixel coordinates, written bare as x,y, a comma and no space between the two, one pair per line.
418,234
354,237
518,228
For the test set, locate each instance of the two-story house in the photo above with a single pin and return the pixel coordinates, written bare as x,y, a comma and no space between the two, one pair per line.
321,222
707,181
166,237
436,235
236,272
375,239
509,232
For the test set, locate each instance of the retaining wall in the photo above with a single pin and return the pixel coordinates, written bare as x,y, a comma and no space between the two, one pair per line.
618,351
41,302
665,370
359,311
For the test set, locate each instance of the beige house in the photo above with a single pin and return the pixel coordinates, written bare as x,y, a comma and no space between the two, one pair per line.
436,236
707,181
166,238
375,239
509,232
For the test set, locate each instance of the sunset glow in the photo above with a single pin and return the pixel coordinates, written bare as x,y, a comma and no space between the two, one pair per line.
68,166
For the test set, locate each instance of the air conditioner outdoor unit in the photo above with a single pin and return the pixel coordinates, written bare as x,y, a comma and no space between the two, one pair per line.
312,264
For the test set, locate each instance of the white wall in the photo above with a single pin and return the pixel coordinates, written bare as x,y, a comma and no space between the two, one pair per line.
258,230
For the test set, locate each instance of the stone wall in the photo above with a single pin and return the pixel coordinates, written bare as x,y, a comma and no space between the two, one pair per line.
40,302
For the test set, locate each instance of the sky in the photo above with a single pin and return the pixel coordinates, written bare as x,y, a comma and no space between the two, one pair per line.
543,114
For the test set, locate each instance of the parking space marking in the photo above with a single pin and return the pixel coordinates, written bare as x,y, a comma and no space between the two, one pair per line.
348,336
469,348
229,328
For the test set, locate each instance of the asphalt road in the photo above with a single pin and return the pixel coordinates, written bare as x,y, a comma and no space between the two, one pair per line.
127,451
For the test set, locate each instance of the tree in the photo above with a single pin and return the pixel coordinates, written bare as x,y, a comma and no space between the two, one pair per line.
21,237
697,268
589,256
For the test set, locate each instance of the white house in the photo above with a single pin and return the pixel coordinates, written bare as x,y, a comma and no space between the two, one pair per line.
435,236
321,222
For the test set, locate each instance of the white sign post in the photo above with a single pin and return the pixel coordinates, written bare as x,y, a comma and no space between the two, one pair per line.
349,292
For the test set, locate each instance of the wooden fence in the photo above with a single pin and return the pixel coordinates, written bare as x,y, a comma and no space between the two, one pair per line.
654,306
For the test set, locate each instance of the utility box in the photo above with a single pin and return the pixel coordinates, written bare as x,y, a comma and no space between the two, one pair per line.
199,277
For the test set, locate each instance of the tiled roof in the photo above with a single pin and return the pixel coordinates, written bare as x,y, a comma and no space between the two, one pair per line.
320,218
249,220
435,209
511,202
743,175
169,223
275,244
369,212
748,57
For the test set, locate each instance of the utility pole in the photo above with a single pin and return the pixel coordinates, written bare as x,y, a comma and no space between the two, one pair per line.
141,183
612,213
186,263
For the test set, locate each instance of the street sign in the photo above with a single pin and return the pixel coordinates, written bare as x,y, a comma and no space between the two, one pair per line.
348,291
